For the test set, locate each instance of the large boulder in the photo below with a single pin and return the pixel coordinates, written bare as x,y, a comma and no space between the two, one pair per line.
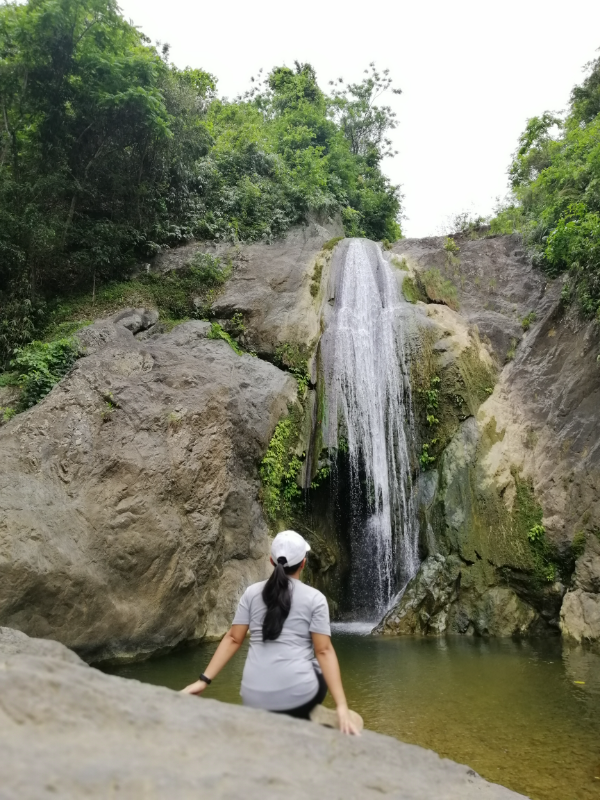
130,506
278,287
70,731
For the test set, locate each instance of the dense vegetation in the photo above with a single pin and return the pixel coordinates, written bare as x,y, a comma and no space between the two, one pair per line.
555,178
108,153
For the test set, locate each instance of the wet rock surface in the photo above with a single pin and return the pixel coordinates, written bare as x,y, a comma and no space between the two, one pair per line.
70,731
528,455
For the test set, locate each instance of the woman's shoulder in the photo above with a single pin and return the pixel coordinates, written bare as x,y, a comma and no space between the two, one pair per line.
254,589
310,593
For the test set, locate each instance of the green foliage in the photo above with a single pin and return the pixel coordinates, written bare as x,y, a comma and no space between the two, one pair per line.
440,289
217,332
431,395
426,459
321,476
279,470
555,179
9,379
512,350
466,224
329,245
180,294
528,320
237,325
41,365
536,533
450,246
399,263
578,544
412,290
108,153
315,281
527,521
294,359
7,413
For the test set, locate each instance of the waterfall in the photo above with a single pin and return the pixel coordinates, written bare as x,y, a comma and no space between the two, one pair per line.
369,418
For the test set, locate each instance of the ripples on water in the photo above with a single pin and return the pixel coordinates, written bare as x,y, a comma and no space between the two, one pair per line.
526,715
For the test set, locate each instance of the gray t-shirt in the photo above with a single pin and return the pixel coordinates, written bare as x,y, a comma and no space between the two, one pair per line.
280,675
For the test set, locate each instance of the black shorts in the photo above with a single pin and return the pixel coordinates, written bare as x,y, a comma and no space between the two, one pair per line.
303,712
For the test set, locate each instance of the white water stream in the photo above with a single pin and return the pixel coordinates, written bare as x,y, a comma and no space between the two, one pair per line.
369,413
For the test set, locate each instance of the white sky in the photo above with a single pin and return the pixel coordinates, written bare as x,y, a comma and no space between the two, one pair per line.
471,72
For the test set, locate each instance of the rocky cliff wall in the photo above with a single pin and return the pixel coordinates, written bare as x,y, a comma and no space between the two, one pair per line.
512,504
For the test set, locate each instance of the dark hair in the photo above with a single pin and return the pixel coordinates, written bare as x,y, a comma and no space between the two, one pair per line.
278,599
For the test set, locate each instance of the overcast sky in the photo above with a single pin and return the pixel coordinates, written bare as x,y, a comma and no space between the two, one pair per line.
471,72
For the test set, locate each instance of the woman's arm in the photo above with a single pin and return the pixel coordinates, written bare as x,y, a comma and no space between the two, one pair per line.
228,647
331,672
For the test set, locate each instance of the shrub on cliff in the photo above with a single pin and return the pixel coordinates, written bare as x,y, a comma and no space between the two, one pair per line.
555,177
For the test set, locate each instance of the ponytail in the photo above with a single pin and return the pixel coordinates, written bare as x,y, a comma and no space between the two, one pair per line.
277,597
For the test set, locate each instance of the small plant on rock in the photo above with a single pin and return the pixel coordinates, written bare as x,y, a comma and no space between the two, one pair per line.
426,459
536,533
6,413
399,263
528,320
41,365
217,332
450,246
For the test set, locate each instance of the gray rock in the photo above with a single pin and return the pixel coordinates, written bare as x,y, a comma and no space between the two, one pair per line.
130,514
495,282
70,731
425,604
271,288
580,612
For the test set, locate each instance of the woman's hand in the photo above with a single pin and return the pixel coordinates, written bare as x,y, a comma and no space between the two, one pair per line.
345,721
195,688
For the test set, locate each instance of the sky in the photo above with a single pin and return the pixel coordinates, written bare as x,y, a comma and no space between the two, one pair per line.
471,73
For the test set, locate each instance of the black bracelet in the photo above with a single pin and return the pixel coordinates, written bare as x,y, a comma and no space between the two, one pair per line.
206,680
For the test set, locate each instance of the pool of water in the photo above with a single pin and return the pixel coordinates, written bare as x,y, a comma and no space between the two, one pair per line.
526,715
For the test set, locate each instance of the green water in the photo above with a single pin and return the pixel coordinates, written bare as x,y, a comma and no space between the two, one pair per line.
512,711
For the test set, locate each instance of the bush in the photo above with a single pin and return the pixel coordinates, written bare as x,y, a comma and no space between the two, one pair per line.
41,365
555,175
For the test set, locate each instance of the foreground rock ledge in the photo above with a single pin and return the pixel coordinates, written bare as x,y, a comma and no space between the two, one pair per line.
69,731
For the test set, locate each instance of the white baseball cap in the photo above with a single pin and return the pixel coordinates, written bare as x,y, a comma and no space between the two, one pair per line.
291,546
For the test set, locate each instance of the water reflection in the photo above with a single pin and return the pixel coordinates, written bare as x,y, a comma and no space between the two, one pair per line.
523,714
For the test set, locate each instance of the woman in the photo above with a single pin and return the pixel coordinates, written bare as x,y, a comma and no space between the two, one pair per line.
289,626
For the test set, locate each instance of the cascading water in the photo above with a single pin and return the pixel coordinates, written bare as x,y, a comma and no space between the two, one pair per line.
369,416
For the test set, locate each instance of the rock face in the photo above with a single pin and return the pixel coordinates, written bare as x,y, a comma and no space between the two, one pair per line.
495,282
278,288
513,500
130,515
66,729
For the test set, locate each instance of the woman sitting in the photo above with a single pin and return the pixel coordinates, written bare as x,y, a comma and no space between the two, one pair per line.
289,626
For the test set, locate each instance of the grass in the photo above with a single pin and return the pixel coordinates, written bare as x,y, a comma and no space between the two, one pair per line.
399,263
412,290
178,295
440,289
332,243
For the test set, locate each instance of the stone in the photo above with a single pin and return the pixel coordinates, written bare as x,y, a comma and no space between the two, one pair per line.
580,612
68,730
425,604
495,282
271,288
131,519
580,617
